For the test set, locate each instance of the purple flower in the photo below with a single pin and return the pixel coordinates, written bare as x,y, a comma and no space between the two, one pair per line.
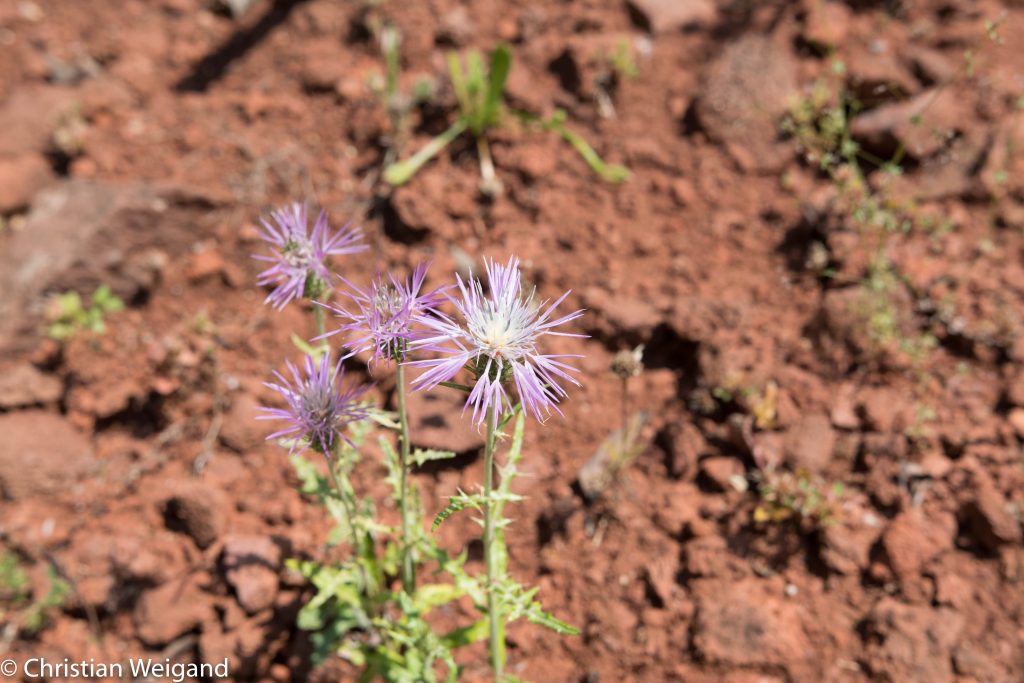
318,408
382,317
497,340
299,267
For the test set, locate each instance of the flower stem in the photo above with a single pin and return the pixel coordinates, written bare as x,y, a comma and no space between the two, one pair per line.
408,569
350,513
318,315
496,631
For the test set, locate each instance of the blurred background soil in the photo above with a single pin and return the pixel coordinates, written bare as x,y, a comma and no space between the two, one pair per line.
831,484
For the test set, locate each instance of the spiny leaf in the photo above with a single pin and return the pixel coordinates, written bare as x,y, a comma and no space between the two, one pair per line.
542,618
466,635
454,506
424,455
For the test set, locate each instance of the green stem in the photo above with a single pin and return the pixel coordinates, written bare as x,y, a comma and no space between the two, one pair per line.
496,630
400,172
408,568
350,513
318,315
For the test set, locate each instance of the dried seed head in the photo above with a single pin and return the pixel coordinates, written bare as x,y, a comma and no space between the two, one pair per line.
628,363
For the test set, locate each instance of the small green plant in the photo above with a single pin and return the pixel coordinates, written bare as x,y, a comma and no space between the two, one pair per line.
68,315
786,495
622,61
16,604
479,91
397,103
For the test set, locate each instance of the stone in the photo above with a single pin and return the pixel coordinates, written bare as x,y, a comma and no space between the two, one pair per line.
720,471
810,442
196,510
41,454
28,118
21,177
911,643
82,233
251,565
171,610
743,624
22,385
911,541
882,408
746,91
826,23
922,124
663,16
241,431
989,521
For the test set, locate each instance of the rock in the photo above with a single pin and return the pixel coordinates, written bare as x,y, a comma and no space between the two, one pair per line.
323,65
437,421
911,643
922,125
826,23
618,315
743,624
28,118
844,413
205,264
534,161
82,233
911,541
988,518
682,442
881,408
930,65
251,565
171,610
1016,420
683,192
746,91
846,548
40,455
809,443
196,510
456,26
721,470
22,385
660,575
662,16
21,177
241,431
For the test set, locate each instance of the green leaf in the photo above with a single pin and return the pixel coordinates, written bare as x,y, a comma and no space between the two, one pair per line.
612,173
458,79
501,64
435,594
454,506
467,635
400,172
542,618
425,455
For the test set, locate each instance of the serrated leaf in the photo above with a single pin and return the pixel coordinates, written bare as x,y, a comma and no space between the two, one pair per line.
467,635
434,595
454,506
542,618
425,455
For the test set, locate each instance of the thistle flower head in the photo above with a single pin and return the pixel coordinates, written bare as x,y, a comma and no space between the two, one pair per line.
298,262
381,317
497,339
317,406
